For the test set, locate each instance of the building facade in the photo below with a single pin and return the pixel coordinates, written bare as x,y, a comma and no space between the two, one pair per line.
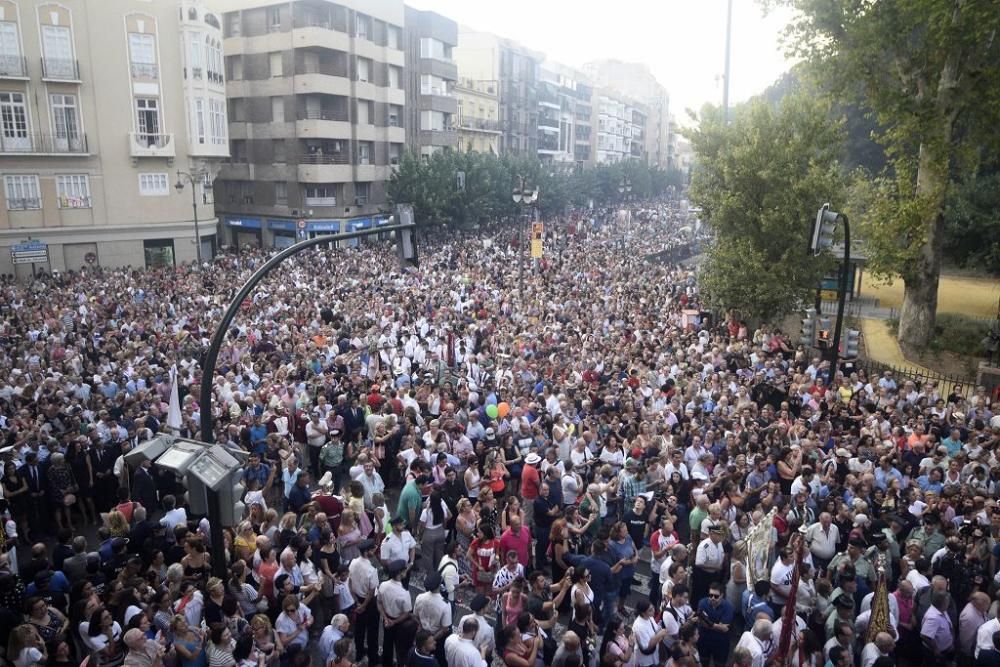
563,104
431,110
478,115
317,108
104,106
482,56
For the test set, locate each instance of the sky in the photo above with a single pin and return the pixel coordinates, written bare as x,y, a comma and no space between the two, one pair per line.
682,41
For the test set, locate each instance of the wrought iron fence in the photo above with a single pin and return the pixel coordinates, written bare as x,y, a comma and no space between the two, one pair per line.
944,382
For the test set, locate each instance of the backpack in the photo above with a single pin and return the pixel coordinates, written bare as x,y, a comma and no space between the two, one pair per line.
444,588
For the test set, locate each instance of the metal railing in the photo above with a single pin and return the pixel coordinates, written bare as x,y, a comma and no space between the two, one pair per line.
325,158
24,204
476,123
321,201
13,66
216,77
60,68
153,140
196,72
38,142
322,68
74,202
945,382
145,71
323,114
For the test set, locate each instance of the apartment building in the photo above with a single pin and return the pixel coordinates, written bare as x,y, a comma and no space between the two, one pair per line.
104,106
432,108
563,104
482,56
478,115
636,82
317,103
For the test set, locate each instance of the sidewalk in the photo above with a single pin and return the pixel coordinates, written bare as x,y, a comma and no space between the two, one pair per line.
883,347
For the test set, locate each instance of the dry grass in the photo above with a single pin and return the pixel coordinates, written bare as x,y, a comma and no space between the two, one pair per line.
956,294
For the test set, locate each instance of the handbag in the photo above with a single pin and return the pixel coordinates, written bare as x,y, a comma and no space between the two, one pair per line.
69,500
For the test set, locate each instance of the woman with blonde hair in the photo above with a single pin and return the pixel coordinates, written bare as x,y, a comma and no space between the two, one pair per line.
245,542
349,536
737,575
117,525
25,647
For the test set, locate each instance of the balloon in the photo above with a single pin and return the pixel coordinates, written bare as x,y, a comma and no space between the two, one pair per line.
504,409
492,411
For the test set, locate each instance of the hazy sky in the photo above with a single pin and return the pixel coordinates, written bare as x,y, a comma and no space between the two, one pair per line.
682,41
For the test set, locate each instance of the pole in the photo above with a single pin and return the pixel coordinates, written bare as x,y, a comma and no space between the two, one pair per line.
841,301
725,85
194,205
212,356
520,257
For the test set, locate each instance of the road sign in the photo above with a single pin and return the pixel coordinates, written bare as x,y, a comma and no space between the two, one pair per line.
537,236
29,252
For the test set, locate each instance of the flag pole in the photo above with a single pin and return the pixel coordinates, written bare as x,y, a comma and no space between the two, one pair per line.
783,655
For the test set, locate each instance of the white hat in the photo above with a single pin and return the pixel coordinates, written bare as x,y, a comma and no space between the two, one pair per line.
326,480
861,520
917,508
843,452
532,459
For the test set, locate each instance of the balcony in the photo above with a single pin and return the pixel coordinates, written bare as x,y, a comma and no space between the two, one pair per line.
481,124
145,71
321,201
13,67
60,69
35,143
325,158
151,145
74,202
324,114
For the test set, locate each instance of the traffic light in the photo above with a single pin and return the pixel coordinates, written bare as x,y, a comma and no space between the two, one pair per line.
231,498
824,332
807,334
852,344
823,229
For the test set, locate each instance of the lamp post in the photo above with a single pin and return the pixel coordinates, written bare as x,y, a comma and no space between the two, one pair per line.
193,179
625,190
524,196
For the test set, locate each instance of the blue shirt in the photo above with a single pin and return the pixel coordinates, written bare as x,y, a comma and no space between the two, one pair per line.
622,551
600,572
261,473
721,614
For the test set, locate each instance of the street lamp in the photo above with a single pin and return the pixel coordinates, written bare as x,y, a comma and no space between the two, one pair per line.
193,179
524,196
625,190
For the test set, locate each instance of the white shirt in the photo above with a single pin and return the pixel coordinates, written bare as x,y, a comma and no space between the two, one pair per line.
709,555
462,652
781,575
397,547
984,636
484,636
823,544
918,580
362,578
759,651
286,626
432,611
395,599
643,630
870,654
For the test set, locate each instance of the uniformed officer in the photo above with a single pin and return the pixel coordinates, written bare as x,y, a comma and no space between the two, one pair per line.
708,563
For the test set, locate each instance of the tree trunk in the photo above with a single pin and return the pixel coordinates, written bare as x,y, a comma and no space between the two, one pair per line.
920,295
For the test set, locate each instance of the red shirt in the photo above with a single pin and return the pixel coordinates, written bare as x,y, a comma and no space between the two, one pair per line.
530,481
521,543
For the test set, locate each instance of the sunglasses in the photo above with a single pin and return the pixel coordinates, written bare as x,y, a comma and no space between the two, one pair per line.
714,596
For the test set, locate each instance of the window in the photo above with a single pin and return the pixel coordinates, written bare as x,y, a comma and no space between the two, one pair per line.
14,122
433,48
278,109
196,47
238,109
395,150
235,67
395,113
364,69
433,85
361,193
142,55
321,195
11,63
22,192
275,61
363,26
214,60
199,120
279,152
280,192
217,121
364,152
392,37
148,120
365,115
432,120
65,121
395,76
73,190
57,45
246,192
154,185
274,18
234,24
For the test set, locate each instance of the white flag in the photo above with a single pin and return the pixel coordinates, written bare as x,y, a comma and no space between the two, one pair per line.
174,420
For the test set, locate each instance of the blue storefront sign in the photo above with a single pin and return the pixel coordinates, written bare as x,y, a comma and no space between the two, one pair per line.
246,223
281,225
323,226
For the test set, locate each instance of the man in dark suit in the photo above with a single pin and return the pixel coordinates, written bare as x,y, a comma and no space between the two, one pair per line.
102,460
144,487
34,474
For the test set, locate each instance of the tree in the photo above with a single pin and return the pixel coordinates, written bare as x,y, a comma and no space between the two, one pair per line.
972,224
929,70
758,181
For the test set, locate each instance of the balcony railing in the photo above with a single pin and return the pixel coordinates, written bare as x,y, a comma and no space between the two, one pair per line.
36,142
13,66
485,124
325,158
145,71
196,72
312,22
321,201
24,204
74,202
216,77
65,69
142,144
324,114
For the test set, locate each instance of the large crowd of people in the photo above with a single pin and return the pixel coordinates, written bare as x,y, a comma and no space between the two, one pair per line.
448,466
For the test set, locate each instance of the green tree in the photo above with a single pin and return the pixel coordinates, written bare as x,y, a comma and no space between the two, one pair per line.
929,70
758,180
972,224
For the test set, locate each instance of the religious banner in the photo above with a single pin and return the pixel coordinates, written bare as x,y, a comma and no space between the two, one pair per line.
537,236
759,547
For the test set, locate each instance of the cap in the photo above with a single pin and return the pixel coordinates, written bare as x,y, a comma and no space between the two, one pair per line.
532,459
843,452
395,567
479,602
366,545
715,529
432,581
631,463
